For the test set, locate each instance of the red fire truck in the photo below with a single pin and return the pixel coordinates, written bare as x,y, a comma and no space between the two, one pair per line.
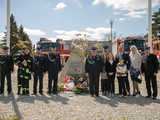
45,45
156,48
138,41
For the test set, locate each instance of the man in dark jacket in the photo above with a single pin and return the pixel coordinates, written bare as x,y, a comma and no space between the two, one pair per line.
53,68
150,66
39,68
126,58
93,68
6,67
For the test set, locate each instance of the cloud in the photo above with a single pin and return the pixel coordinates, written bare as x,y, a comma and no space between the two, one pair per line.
92,33
126,4
135,14
67,35
2,35
78,3
34,32
60,5
132,6
122,19
52,38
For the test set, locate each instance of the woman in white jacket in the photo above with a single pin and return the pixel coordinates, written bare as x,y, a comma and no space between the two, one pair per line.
135,58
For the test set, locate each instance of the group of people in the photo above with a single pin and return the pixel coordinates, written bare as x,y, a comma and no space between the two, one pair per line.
28,65
107,67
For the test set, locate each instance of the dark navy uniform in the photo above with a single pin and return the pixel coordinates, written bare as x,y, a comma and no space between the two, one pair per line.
93,67
6,67
53,68
150,68
25,73
39,67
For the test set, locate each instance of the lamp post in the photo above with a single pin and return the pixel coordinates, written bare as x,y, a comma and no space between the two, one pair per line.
150,24
8,25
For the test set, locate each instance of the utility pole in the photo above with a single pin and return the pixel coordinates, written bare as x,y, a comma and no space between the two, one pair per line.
111,25
8,25
150,24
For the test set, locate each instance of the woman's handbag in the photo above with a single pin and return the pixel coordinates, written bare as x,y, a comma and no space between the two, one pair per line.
139,80
135,74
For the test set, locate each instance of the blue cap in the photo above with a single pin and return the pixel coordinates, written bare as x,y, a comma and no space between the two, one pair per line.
147,48
38,48
93,48
105,47
5,48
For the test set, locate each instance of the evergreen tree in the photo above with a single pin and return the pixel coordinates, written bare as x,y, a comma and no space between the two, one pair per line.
18,38
156,23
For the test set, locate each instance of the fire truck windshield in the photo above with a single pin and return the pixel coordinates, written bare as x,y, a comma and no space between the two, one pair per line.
140,44
47,46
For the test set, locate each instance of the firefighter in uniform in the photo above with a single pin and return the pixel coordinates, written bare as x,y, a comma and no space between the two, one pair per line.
6,67
39,68
26,69
53,68
149,68
18,59
93,68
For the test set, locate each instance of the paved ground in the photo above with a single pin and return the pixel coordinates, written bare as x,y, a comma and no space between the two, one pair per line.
67,106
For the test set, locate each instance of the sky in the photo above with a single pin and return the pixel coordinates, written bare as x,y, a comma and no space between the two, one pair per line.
65,18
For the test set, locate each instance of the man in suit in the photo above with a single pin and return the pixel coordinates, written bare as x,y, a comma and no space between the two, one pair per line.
93,68
38,69
6,67
149,67
53,68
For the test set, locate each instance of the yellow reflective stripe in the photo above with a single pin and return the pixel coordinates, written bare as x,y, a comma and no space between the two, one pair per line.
25,77
21,76
27,70
28,60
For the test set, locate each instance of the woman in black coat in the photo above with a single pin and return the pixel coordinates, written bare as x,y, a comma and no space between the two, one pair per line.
111,71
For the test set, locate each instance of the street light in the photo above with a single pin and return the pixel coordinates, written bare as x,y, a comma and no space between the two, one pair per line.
150,24
8,25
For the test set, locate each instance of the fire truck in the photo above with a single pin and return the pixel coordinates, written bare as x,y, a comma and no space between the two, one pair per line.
156,48
45,45
138,41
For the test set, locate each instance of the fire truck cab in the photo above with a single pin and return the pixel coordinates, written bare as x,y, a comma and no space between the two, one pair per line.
45,45
138,41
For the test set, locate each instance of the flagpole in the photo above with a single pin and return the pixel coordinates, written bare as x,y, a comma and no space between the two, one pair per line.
8,25
150,24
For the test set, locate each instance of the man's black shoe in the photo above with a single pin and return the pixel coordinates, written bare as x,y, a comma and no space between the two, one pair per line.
41,93
54,92
9,93
148,96
134,94
92,95
49,93
154,98
34,93
97,95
